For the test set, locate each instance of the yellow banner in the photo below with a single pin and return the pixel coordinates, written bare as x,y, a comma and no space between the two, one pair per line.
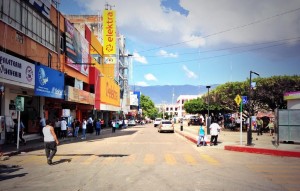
109,32
109,92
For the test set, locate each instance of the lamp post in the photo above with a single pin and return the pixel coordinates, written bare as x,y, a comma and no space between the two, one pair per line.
208,118
249,133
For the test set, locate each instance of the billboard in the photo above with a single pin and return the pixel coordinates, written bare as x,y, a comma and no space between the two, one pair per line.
49,82
109,32
77,49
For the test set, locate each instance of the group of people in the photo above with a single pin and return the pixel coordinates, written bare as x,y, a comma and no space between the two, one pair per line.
215,129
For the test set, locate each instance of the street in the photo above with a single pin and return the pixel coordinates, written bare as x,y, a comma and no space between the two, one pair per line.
140,158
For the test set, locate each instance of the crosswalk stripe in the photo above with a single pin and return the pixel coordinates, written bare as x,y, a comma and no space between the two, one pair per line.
170,159
108,160
190,159
130,159
210,159
149,159
90,160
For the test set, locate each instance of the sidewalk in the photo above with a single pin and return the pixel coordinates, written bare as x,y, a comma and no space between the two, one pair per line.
33,142
231,140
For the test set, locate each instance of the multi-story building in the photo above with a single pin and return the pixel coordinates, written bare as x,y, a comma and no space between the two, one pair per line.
58,69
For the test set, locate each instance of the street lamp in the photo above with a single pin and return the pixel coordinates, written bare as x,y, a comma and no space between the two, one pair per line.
249,135
208,118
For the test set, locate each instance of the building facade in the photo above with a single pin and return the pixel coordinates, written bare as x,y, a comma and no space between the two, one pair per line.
60,69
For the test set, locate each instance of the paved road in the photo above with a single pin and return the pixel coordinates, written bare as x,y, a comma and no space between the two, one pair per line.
140,158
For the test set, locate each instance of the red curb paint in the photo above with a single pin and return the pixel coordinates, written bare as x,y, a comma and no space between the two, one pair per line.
263,151
190,138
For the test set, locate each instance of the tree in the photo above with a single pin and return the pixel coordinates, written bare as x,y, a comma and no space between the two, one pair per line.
148,107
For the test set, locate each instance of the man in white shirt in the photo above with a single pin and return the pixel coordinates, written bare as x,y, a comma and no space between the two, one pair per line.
214,132
63,128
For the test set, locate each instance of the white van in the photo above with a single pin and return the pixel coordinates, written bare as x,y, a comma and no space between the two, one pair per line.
157,121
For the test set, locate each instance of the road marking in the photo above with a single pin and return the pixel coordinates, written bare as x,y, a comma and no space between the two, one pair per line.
108,160
90,160
210,159
170,159
149,159
190,159
130,159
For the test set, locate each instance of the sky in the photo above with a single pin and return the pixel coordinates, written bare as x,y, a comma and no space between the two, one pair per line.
203,42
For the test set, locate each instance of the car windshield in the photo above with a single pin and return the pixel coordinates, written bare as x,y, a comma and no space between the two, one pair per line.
157,119
166,122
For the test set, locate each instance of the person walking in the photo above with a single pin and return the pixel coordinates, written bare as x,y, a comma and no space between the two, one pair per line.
20,133
63,128
77,125
50,142
271,127
214,132
98,127
57,127
259,123
84,124
113,130
90,125
201,135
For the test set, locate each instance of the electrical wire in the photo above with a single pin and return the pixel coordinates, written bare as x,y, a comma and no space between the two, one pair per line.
212,57
226,30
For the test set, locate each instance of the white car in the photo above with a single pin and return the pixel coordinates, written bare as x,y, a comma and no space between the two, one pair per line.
157,121
166,125
131,122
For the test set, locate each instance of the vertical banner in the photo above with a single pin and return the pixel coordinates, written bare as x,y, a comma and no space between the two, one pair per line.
109,31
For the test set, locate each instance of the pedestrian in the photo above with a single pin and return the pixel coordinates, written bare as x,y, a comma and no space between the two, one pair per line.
98,127
113,123
214,132
77,126
19,133
201,135
57,127
50,142
84,124
271,127
102,123
73,125
259,123
63,128
42,124
90,125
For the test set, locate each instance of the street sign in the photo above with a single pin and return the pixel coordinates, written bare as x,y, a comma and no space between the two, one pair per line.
245,99
19,103
238,99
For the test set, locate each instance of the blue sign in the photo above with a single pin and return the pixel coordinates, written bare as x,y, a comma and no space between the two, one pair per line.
49,82
245,99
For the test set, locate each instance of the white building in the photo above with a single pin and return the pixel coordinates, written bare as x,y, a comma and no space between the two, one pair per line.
176,110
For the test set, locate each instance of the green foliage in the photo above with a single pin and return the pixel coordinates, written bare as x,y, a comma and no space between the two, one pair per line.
148,107
267,95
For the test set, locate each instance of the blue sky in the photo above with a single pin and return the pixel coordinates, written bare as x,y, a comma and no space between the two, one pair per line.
178,42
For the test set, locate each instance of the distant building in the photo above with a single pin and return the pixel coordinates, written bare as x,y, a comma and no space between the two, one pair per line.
293,100
177,109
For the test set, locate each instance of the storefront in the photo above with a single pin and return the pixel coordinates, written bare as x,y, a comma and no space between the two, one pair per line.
17,78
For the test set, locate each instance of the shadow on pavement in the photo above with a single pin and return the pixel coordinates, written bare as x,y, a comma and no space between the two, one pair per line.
6,170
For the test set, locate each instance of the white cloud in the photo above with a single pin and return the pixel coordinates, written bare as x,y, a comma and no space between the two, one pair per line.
166,54
138,58
141,84
150,77
189,73
147,22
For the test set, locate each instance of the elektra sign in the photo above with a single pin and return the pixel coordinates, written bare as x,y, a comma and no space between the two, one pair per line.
109,32
49,82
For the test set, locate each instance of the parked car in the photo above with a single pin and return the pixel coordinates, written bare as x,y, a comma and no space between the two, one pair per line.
157,121
195,121
131,122
166,125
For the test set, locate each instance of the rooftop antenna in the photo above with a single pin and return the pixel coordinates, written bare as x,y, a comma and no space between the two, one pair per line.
108,6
